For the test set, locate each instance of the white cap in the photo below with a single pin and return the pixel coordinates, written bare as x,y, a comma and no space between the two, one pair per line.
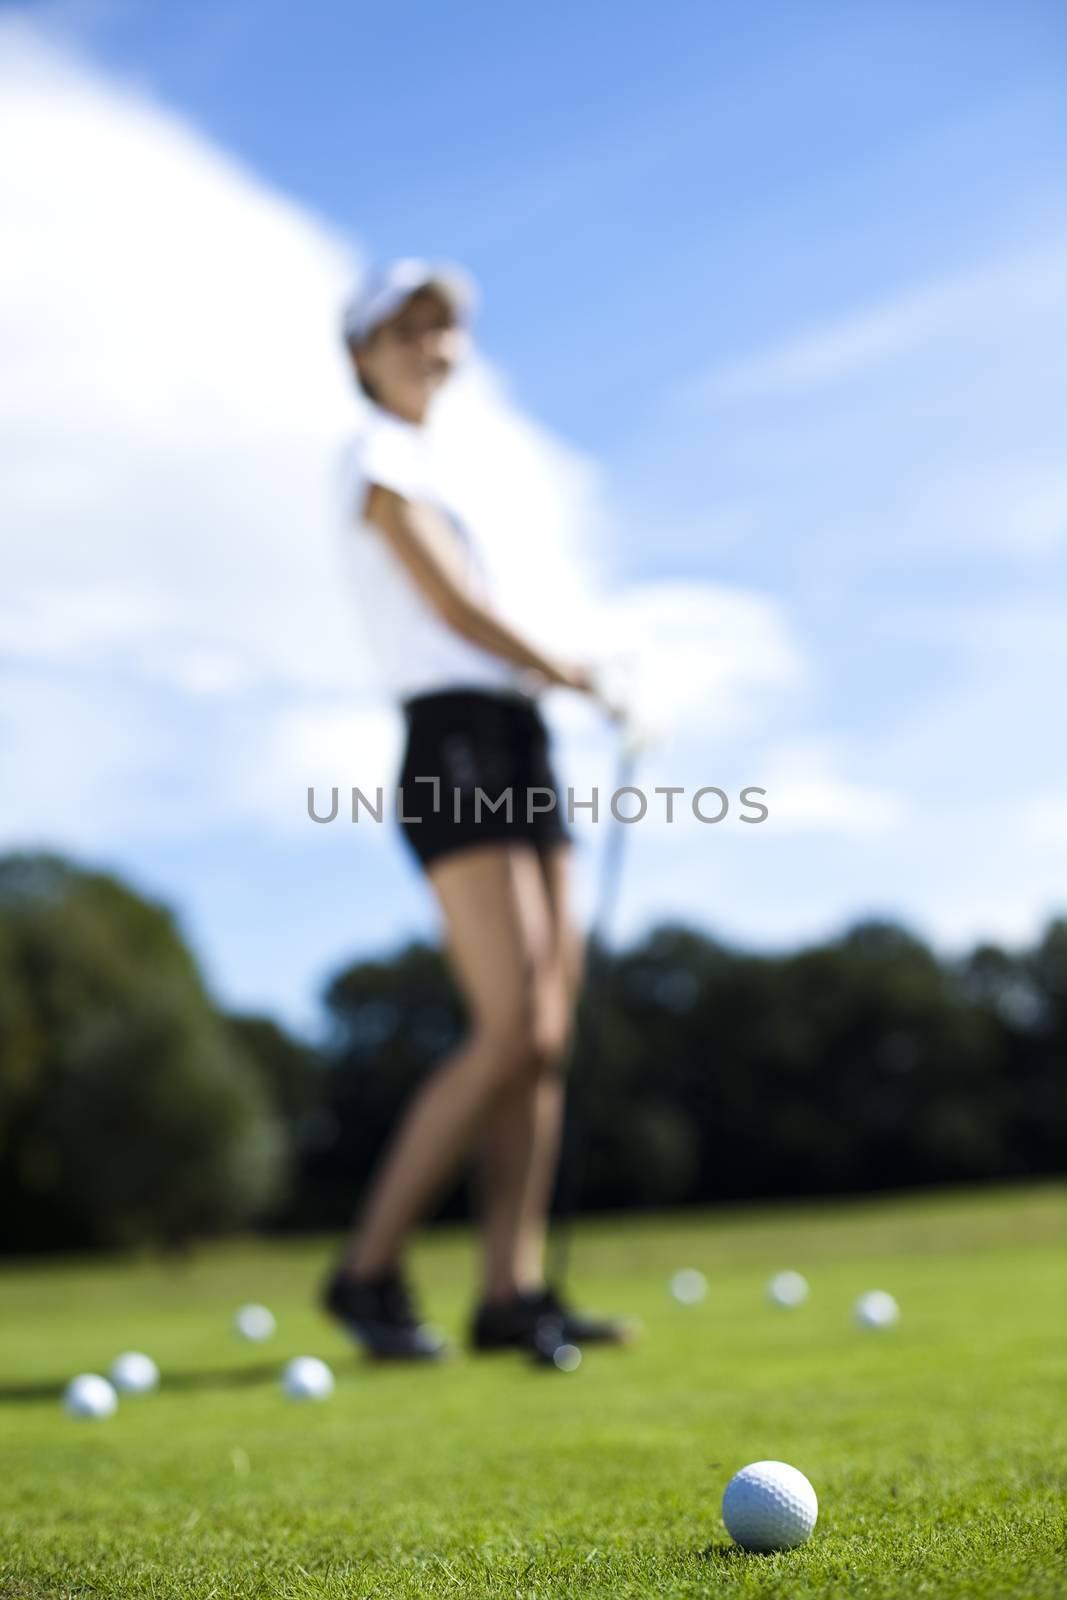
386,290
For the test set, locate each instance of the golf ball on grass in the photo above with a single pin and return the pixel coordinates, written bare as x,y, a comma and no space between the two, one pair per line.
134,1373
551,1349
876,1309
689,1286
788,1290
255,1323
769,1506
89,1395
567,1358
307,1378
559,1356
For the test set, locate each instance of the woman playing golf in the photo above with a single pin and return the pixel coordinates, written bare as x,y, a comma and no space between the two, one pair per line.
466,681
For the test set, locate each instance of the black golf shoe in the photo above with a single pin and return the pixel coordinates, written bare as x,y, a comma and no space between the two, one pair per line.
540,1317
380,1314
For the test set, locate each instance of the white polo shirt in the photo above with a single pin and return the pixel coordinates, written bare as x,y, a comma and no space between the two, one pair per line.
415,651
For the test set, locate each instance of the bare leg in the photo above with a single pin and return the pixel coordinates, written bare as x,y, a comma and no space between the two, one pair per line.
492,906
521,1150
522,1135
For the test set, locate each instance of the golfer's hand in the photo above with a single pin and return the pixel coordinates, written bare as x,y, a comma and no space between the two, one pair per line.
573,675
589,680
607,695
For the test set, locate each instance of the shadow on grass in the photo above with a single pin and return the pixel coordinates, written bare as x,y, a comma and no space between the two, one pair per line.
243,1377
214,1378
725,1552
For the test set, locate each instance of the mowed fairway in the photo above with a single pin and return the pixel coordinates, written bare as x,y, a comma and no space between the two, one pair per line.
937,1449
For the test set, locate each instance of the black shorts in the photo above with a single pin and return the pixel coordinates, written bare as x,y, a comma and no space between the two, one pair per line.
487,754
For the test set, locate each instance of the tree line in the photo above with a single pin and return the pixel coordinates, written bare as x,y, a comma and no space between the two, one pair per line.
134,1112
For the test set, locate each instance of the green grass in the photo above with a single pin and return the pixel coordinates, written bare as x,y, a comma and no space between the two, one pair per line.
936,1449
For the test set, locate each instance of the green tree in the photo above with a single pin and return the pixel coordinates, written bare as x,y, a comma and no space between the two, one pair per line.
128,1110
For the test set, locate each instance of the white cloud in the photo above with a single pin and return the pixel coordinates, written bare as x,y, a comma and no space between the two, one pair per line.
1020,506
847,346
179,647
811,793
182,649
1045,818
707,657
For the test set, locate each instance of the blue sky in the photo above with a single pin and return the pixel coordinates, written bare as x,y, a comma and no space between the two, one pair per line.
644,190
775,297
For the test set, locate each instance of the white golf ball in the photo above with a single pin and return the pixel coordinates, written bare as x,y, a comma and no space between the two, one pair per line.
769,1506
876,1309
689,1286
255,1323
89,1395
567,1357
307,1378
134,1373
787,1289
